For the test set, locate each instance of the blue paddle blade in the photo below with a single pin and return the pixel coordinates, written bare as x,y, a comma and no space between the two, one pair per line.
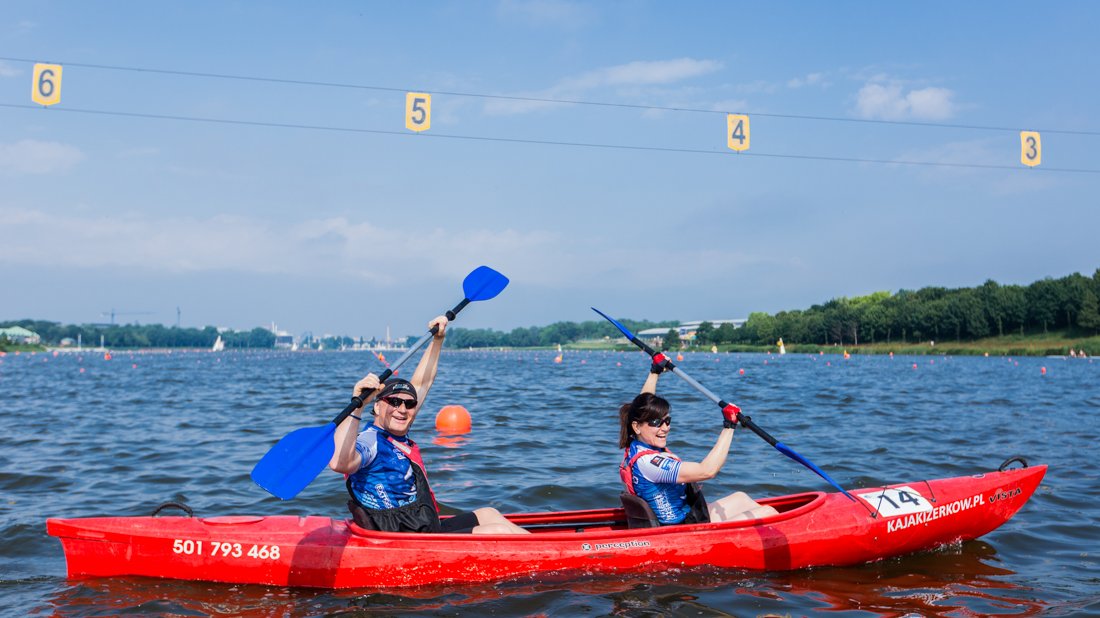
295,461
790,452
483,283
625,331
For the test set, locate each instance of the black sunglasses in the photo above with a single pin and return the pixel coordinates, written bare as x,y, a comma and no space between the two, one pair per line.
657,422
397,402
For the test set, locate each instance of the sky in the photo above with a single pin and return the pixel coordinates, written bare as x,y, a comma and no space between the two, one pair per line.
238,164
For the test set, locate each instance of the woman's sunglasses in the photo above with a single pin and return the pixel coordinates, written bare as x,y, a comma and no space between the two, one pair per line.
657,422
397,402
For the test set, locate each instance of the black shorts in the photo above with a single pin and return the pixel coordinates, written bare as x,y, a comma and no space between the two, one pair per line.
463,523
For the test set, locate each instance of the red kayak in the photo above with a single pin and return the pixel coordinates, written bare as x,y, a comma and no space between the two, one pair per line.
811,529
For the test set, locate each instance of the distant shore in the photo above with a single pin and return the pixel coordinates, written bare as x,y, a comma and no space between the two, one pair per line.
1053,344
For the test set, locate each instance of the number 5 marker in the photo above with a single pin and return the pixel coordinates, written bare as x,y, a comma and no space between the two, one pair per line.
418,111
46,86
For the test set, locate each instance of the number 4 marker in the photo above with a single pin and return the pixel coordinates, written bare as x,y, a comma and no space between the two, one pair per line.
737,132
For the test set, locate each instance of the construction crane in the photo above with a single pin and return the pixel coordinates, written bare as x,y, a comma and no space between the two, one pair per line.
113,313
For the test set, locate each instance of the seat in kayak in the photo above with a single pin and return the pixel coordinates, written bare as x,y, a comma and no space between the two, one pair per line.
638,512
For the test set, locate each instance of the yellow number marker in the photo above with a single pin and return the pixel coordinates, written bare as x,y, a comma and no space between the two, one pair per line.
46,85
418,111
1031,148
737,132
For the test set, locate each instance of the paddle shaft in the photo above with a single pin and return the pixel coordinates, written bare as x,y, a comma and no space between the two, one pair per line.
357,401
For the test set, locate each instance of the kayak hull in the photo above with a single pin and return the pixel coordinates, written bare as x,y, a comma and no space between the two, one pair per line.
811,529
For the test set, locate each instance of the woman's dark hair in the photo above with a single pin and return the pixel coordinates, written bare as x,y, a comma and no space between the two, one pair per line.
645,407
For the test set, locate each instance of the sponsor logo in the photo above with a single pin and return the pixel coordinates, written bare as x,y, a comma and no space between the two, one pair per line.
620,545
1004,495
657,460
903,522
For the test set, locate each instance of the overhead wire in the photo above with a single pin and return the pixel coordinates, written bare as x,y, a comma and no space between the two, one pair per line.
543,142
438,135
515,140
530,99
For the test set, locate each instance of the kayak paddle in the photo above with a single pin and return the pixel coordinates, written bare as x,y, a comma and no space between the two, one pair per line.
661,359
297,459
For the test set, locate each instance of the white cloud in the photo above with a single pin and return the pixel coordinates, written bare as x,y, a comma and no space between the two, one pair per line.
37,157
355,250
630,75
812,79
890,101
7,70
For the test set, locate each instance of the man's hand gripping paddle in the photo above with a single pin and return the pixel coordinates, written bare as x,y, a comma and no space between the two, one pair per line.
299,457
728,409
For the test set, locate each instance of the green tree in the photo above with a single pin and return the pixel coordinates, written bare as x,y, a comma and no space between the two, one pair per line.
1042,302
1089,316
672,340
725,333
703,333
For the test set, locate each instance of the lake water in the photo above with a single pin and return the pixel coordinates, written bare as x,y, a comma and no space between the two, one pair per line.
85,436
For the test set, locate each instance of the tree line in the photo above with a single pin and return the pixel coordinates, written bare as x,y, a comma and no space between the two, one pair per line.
929,314
554,334
144,336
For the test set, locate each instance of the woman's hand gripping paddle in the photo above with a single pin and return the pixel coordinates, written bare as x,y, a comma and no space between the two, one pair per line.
299,457
661,359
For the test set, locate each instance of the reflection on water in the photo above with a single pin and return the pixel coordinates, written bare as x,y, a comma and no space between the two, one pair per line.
83,436
956,581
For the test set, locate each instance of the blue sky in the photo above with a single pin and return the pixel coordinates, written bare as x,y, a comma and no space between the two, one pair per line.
350,231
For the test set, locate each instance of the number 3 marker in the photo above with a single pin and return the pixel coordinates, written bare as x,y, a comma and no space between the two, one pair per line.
418,111
46,86
1031,148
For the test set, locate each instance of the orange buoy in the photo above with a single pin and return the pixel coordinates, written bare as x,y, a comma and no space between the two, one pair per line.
741,372
107,356
914,365
679,357
1043,370
453,420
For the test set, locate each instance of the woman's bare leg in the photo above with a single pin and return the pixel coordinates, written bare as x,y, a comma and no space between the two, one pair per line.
490,521
737,506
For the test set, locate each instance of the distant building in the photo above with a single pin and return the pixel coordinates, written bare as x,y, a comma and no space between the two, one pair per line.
20,335
687,330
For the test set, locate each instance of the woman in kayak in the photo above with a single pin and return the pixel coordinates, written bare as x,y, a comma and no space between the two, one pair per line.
651,472
385,474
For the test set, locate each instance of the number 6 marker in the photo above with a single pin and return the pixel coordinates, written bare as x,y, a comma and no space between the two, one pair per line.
46,85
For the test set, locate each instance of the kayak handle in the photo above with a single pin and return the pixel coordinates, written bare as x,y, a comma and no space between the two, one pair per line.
174,505
1019,458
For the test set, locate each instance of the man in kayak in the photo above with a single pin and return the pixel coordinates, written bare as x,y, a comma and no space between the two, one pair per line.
385,474
662,479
